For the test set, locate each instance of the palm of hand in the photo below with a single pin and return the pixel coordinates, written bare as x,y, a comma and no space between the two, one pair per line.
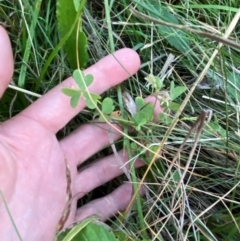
39,186
32,161
38,173
32,167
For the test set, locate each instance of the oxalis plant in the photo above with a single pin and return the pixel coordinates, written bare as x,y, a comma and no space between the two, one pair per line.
140,112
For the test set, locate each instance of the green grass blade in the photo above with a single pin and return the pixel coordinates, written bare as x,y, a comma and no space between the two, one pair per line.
29,44
58,47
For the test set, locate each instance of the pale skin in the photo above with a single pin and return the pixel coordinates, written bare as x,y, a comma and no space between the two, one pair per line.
32,168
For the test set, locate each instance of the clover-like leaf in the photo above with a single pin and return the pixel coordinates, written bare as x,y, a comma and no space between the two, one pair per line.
75,99
134,146
70,92
147,111
140,102
81,80
139,119
164,118
144,115
174,106
176,91
103,116
88,79
107,106
91,103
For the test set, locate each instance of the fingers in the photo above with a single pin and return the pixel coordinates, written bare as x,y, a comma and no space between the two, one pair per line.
87,140
6,61
90,138
107,206
100,172
53,110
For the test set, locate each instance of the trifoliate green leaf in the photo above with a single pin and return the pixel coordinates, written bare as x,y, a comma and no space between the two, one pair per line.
107,106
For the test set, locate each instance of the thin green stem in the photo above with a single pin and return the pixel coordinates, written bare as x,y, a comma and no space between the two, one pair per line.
135,187
10,216
109,25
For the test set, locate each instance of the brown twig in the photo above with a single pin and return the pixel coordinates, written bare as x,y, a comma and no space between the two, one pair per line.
67,208
202,119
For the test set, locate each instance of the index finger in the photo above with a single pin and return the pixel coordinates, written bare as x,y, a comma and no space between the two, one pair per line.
53,110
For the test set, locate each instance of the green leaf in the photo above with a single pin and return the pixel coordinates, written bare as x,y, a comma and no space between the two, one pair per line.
173,106
66,16
76,4
97,232
140,119
107,106
140,102
70,234
81,80
69,92
144,115
104,115
177,38
91,103
164,118
134,146
91,231
75,99
148,111
124,236
89,79
177,92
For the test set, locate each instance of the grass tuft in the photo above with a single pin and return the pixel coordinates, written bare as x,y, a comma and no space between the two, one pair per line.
187,198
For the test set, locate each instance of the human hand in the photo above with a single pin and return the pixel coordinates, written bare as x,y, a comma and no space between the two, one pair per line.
32,161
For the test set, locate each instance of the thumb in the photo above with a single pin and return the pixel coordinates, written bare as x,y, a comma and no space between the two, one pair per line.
6,60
